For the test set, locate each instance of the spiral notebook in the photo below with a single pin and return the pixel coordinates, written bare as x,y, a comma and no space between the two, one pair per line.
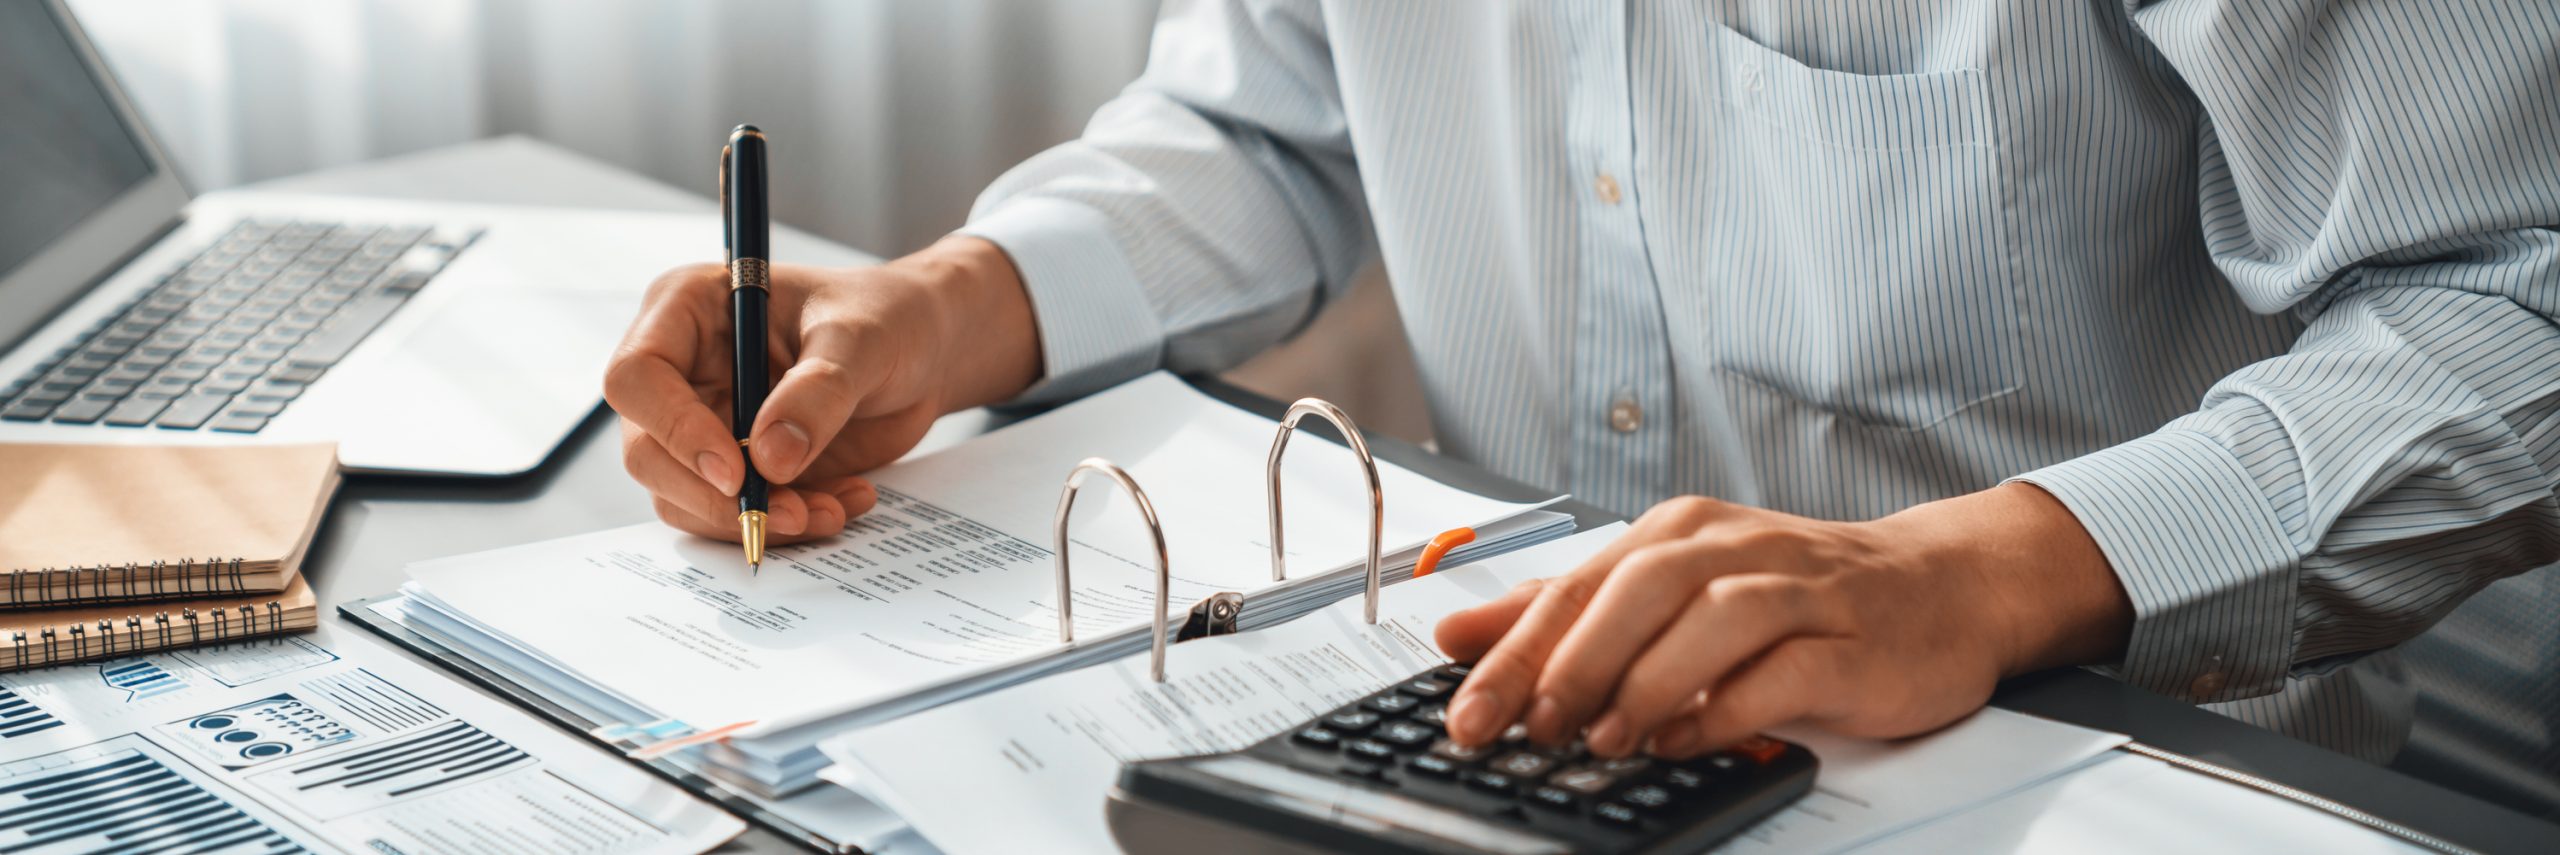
84,524
34,639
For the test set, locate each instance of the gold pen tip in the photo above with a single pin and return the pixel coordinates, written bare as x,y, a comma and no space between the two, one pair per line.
751,536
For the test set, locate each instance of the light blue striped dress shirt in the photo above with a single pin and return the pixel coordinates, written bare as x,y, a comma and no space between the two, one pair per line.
2263,290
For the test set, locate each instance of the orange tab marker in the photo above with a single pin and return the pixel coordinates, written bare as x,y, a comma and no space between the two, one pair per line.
1440,546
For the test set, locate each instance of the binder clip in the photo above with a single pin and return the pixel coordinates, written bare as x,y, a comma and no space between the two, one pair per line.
1368,465
1164,564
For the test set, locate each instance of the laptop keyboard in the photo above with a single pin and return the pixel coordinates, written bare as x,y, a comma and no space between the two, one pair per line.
230,338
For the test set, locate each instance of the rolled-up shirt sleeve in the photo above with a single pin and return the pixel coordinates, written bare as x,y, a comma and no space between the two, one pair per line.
2390,173
1205,214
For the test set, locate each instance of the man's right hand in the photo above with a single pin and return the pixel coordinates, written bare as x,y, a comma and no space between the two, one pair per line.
866,359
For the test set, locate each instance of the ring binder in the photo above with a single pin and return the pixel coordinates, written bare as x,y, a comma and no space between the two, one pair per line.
1164,564
1368,465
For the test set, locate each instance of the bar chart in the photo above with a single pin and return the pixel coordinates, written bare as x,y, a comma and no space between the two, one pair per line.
363,778
122,795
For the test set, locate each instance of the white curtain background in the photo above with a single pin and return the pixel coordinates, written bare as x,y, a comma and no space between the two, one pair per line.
898,112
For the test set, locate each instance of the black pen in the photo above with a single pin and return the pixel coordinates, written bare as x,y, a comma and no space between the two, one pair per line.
744,227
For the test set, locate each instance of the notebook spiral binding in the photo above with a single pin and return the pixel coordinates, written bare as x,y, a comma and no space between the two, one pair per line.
108,583
73,642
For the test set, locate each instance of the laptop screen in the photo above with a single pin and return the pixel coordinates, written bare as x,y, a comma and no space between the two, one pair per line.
64,153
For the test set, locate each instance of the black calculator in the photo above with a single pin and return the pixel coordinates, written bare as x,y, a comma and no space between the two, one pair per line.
1380,775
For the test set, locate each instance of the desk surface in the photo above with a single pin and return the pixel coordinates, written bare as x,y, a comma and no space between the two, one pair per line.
378,525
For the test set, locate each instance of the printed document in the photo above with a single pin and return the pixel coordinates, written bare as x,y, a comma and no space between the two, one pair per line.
320,742
951,577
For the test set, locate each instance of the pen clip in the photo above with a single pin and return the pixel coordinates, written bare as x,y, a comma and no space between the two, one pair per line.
727,241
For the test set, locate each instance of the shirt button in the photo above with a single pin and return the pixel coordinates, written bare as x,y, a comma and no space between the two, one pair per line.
2208,685
1625,416
1606,187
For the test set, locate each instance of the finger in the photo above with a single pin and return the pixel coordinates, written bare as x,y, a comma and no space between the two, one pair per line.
855,495
690,523
1648,590
1735,620
1795,681
645,383
1497,691
817,394
651,465
1466,634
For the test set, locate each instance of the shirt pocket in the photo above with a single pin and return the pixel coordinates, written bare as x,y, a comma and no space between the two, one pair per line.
1864,261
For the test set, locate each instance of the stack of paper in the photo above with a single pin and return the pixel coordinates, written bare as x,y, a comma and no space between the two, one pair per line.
1042,755
947,589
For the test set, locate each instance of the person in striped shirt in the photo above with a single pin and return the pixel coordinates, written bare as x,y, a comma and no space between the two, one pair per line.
1935,341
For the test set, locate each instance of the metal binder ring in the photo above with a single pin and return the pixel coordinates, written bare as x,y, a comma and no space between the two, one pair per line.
1368,466
1164,564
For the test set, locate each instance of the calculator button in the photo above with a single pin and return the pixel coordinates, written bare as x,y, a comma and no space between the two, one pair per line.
1522,764
1351,722
1462,753
1589,782
1491,782
1368,771
1554,798
1689,780
1317,737
1434,715
1370,749
1562,754
1406,735
1424,688
1391,704
1624,766
1613,813
1761,749
1455,673
1433,766
1646,797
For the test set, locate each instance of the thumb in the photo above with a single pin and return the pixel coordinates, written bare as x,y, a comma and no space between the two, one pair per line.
816,397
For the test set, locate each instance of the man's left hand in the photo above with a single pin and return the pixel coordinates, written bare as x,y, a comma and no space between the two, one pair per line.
1708,622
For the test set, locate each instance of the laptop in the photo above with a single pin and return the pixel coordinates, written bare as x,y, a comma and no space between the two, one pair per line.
423,338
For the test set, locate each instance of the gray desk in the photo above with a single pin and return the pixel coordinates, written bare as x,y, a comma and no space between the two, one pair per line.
379,525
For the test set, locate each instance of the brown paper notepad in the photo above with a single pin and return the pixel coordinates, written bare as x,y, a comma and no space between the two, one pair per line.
34,639
103,523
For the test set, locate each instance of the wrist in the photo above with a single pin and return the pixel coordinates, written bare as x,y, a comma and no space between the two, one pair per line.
2024,574
987,340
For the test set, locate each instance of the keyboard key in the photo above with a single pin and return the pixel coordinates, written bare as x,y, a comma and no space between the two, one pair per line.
82,411
192,411
1352,721
110,387
29,411
1613,813
332,341
136,412
1370,749
1553,798
260,409
1648,797
1317,737
239,423
1490,782
1433,766
1406,735
273,389
1523,764
1586,781
1391,704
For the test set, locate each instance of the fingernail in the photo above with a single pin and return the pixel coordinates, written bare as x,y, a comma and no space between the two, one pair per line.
783,445
1678,740
1608,738
1473,714
717,472
1547,717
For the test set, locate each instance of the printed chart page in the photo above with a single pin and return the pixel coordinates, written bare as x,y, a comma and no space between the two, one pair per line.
319,742
1041,754
951,576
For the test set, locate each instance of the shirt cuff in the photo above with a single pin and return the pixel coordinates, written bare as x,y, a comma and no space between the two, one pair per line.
2204,559
1096,327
